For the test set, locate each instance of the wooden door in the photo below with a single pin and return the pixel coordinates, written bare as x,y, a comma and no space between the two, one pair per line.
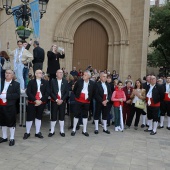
90,46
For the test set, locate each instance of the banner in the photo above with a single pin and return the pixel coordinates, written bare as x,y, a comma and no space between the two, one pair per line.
17,22
35,16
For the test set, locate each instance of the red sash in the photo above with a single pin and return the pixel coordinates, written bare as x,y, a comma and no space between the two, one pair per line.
152,103
82,98
104,97
37,97
2,103
166,98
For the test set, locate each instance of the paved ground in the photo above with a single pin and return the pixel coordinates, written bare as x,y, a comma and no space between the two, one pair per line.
130,150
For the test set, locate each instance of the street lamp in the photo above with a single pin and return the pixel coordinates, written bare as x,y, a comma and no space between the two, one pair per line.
23,13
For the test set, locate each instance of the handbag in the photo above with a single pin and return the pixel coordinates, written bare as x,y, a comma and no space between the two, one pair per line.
140,104
7,65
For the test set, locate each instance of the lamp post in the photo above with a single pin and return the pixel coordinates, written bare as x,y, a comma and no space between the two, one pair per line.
23,13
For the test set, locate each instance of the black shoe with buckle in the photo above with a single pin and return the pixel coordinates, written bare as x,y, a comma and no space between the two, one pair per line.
147,125
160,127
39,135
62,134
11,142
26,136
153,133
96,132
73,133
51,134
106,131
168,128
85,134
3,140
142,126
147,130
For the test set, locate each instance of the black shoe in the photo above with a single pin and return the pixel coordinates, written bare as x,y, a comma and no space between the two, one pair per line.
3,140
160,127
96,132
51,134
11,142
168,128
85,134
153,133
73,133
147,125
62,134
106,131
26,136
93,122
142,126
39,135
113,123
147,130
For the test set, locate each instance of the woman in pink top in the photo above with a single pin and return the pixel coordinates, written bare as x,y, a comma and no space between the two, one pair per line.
118,97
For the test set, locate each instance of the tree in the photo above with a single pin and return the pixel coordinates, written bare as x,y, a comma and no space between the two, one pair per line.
160,24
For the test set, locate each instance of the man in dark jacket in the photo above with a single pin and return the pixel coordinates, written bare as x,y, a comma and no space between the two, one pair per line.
37,92
9,93
38,54
83,90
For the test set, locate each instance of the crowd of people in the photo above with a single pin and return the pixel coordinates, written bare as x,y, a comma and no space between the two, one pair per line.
83,95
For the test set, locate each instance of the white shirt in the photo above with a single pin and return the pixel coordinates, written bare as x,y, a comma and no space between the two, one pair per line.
149,94
136,98
85,89
38,87
104,88
167,88
4,91
59,87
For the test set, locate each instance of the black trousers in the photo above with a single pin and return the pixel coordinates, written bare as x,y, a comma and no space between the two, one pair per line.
152,113
55,109
101,109
133,111
34,111
165,108
8,116
81,109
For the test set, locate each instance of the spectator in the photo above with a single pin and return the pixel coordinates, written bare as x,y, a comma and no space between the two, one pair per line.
74,72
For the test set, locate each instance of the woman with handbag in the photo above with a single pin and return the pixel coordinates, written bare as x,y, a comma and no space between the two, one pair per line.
138,97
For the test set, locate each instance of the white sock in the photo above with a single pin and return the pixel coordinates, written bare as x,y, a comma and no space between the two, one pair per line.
53,123
105,124
4,132
150,124
96,124
84,125
147,122
144,119
155,125
12,132
28,126
75,124
61,126
168,121
37,125
162,121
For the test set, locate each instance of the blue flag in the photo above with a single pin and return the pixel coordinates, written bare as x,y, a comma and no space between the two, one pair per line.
35,15
17,22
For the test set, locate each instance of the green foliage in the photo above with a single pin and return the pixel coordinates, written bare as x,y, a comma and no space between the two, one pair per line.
24,28
160,24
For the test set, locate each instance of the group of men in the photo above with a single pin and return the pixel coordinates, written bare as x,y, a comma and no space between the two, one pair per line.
38,91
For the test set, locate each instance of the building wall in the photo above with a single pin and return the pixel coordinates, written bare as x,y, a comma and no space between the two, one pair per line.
126,23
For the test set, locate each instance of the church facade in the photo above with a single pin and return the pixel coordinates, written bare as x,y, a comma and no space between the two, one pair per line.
107,34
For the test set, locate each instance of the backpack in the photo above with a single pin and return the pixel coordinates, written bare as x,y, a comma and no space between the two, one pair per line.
7,64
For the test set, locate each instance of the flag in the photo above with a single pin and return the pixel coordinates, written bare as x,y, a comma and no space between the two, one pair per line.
35,16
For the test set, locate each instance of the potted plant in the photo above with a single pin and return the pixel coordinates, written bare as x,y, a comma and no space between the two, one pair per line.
24,32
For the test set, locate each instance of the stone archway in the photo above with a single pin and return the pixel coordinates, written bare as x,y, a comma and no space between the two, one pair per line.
107,15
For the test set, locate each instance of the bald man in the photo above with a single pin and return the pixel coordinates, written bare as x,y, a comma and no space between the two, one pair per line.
38,93
9,94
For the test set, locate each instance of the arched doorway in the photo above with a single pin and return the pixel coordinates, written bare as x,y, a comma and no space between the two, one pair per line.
90,46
